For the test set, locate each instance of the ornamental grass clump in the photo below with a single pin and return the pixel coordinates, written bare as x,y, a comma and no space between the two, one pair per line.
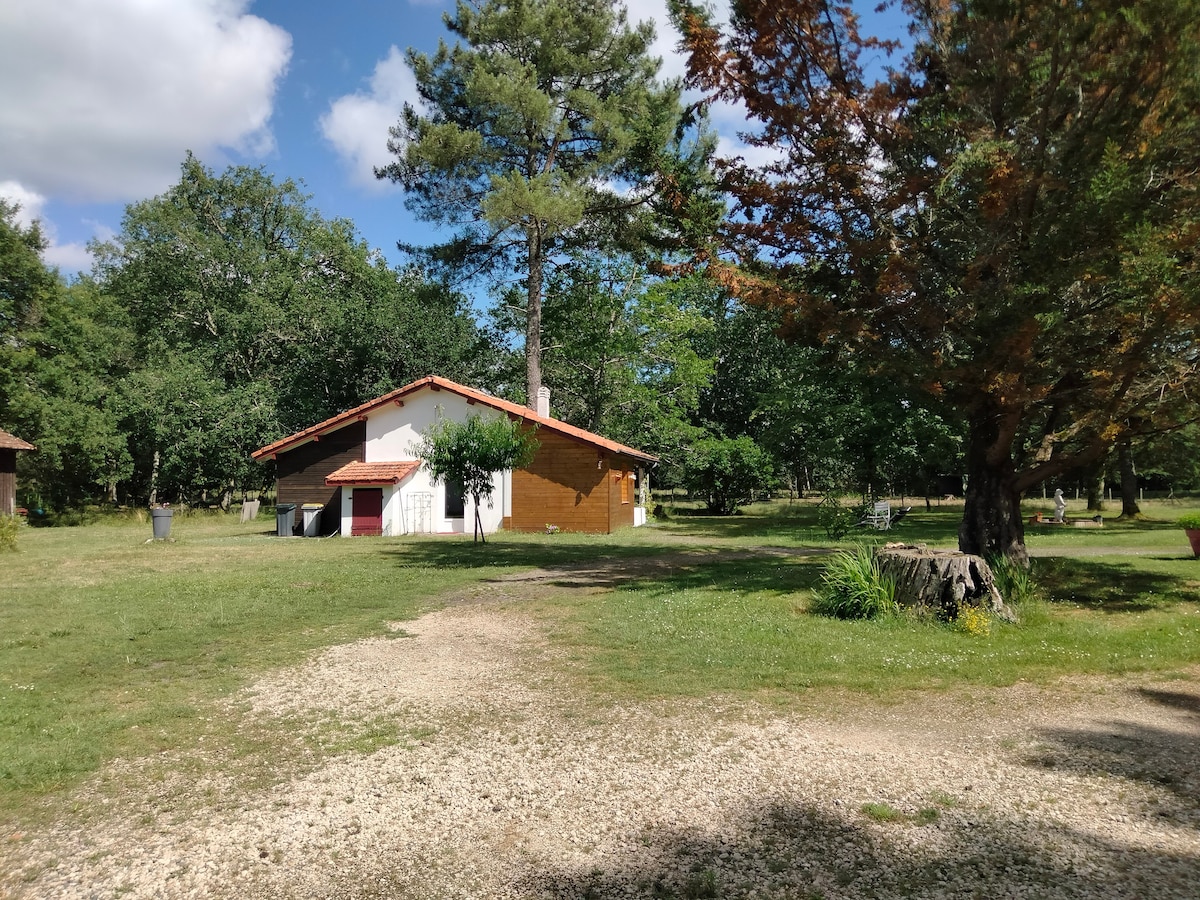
852,587
1014,582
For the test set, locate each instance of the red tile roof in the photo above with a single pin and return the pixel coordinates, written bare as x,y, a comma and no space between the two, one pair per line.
10,442
372,473
522,413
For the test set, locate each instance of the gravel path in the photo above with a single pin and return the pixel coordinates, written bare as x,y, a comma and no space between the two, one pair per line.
508,784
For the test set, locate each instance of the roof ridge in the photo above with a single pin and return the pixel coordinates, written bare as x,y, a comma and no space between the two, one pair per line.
508,406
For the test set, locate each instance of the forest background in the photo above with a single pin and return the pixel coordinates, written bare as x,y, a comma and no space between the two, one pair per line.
227,312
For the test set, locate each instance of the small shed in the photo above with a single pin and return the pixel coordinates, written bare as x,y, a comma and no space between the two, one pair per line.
9,445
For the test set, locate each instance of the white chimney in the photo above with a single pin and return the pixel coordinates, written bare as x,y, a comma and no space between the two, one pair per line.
543,402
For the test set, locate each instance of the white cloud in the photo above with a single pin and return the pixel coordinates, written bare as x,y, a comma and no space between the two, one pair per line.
30,202
69,258
103,97
357,124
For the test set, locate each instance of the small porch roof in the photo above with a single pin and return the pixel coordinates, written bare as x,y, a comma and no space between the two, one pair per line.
361,473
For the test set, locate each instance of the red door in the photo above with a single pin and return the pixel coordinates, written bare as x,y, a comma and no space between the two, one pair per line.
366,512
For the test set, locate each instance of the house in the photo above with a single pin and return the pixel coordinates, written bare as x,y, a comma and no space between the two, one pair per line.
360,467
9,445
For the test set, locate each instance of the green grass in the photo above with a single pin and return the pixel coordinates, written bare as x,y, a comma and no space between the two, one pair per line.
749,629
747,626
112,647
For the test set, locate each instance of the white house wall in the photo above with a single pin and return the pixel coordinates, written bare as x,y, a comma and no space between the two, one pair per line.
392,434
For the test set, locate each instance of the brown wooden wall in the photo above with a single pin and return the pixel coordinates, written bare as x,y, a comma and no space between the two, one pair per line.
622,513
300,473
8,481
563,486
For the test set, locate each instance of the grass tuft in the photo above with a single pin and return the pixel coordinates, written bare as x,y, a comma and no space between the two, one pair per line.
852,587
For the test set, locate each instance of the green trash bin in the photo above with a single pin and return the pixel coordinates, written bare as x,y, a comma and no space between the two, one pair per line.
285,519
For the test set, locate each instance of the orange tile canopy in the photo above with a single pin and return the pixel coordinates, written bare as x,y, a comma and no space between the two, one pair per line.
372,473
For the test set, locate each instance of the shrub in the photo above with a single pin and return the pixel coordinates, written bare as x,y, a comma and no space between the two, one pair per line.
727,472
835,519
8,532
852,587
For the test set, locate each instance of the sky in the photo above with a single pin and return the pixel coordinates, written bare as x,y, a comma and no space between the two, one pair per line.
100,101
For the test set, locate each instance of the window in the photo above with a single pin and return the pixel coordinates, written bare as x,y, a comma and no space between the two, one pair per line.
626,485
455,502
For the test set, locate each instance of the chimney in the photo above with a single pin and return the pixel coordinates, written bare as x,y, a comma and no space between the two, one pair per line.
543,402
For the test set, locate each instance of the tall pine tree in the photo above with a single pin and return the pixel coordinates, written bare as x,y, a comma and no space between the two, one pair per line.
544,125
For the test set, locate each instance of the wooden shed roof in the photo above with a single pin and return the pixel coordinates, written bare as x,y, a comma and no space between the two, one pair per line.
11,442
515,410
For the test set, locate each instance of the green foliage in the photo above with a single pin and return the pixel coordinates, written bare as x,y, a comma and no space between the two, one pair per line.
833,518
64,348
852,587
10,526
1015,582
471,453
727,472
979,219
1189,520
251,316
881,812
529,124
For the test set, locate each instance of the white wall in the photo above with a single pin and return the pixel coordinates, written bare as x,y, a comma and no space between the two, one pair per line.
392,433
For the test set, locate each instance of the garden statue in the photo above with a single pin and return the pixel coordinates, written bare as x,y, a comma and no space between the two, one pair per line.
1060,506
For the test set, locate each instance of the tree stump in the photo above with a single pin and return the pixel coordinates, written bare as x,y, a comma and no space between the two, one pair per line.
941,581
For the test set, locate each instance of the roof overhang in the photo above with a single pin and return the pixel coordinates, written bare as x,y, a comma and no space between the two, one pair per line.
374,473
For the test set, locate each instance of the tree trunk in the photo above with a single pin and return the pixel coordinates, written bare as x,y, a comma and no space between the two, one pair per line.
941,582
1095,489
991,523
533,315
1129,481
154,479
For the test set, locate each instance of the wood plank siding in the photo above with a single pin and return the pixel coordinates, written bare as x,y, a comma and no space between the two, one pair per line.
301,472
571,485
8,481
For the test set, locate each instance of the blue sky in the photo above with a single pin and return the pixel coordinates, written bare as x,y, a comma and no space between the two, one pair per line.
101,99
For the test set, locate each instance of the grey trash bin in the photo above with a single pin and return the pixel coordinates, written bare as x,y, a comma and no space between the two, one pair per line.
312,519
285,519
162,522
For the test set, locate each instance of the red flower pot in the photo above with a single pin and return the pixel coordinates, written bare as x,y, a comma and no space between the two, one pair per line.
1194,539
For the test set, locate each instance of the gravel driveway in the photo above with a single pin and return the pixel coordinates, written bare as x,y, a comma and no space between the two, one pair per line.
509,784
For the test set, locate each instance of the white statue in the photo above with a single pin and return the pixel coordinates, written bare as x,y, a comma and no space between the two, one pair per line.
1060,506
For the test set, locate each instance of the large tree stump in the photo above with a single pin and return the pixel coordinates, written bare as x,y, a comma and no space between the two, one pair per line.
941,581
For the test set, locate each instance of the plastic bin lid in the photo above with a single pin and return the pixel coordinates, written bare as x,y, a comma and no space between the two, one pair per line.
313,506
285,507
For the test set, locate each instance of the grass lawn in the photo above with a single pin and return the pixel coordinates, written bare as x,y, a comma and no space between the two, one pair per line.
112,647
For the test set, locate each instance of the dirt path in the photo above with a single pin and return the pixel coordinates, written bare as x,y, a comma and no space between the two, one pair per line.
507,783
